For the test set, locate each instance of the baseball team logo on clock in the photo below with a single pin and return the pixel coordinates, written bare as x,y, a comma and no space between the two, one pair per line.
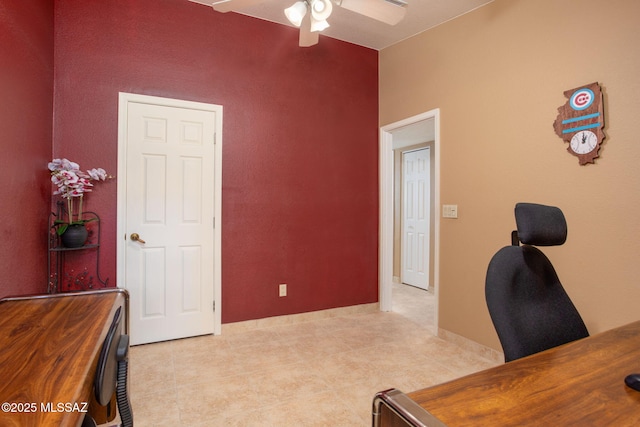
582,99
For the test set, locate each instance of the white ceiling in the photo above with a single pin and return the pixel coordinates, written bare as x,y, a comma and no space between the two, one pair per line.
414,134
358,29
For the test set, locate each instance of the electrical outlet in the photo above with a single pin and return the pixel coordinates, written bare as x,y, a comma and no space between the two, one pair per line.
282,290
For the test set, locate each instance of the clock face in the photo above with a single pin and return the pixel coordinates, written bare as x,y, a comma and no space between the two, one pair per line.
584,142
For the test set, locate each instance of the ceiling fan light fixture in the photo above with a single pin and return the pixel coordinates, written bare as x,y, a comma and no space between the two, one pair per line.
317,26
321,9
296,12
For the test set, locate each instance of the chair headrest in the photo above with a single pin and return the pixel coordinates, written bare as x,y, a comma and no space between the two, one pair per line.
540,225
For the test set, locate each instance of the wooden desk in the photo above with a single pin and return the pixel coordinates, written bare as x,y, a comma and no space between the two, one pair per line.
49,347
577,384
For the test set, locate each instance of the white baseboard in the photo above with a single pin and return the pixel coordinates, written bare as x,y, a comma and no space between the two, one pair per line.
467,344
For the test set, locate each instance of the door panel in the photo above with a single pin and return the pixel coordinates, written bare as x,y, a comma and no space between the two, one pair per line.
170,204
415,218
154,301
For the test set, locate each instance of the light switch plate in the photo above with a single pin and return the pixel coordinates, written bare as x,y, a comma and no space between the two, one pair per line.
450,211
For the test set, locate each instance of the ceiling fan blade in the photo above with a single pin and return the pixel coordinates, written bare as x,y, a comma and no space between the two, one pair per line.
307,37
227,5
388,11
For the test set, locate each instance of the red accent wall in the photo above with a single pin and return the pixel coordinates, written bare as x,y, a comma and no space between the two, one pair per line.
300,191
26,109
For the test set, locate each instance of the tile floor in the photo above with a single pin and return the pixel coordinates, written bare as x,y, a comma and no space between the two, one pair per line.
417,305
318,373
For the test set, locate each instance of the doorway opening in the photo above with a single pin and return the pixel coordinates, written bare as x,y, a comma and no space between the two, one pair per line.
420,132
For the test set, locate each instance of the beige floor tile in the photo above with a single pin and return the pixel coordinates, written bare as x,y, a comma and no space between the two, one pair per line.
278,385
415,304
201,366
156,409
323,371
318,329
152,371
257,337
321,410
311,348
204,343
215,397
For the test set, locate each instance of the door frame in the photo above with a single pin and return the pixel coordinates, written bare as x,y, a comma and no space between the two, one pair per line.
123,101
386,172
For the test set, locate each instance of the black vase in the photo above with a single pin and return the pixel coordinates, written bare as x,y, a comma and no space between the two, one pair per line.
74,236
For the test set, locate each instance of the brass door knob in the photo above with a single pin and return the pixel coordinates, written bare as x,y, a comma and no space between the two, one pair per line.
136,238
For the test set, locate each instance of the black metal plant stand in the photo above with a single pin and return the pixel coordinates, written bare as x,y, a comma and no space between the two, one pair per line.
58,279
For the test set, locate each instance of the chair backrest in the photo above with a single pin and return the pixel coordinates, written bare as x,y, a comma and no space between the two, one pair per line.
529,308
107,369
112,370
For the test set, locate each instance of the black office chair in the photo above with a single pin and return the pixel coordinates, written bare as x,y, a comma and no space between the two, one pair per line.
111,372
528,305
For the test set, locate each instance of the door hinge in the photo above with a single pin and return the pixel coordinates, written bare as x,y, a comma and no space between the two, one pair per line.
215,138
214,306
214,222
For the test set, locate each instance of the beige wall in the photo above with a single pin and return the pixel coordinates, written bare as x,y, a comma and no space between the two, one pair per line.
498,75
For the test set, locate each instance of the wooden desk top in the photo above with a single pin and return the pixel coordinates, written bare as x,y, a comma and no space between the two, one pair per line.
577,384
49,348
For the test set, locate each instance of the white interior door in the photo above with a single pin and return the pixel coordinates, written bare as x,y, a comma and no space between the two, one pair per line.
169,208
415,218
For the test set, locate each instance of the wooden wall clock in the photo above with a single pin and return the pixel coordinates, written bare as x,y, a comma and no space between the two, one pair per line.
580,122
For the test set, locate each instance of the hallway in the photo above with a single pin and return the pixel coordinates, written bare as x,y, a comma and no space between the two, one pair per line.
415,304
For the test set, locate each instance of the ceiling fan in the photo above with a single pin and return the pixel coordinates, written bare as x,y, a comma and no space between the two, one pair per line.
311,15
